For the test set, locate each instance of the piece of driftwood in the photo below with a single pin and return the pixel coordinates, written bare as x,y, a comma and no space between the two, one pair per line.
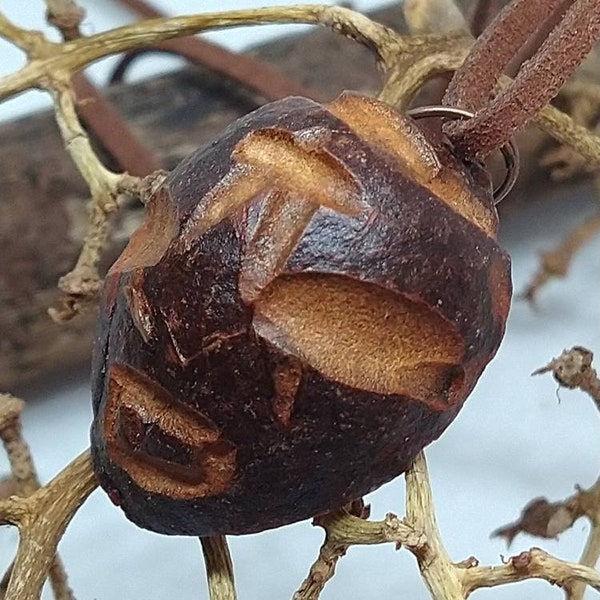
43,199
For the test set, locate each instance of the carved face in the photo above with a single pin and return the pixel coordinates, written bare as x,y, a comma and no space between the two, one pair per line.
307,305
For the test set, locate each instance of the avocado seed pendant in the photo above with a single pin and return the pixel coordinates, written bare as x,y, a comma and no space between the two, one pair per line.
308,303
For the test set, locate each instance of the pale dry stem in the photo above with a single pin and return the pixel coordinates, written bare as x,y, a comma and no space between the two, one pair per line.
69,57
42,519
26,483
572,369
440,574
442,54
333,548
531,564
419,533
219,568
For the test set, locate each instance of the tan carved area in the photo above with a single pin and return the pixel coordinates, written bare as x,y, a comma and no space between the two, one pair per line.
150,241
363,336
276,159
165,447
379,124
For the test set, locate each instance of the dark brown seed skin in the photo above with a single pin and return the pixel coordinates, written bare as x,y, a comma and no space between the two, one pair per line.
261,437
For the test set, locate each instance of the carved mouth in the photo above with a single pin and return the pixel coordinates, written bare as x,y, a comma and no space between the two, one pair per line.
164,446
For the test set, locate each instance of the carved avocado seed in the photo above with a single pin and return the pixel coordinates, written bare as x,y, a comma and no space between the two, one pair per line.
310,300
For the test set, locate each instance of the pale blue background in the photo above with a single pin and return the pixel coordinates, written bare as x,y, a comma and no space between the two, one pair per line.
515,439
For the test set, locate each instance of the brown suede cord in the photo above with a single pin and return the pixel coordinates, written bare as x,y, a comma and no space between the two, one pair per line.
473,84
536,83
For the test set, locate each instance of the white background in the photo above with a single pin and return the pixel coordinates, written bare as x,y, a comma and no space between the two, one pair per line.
516,438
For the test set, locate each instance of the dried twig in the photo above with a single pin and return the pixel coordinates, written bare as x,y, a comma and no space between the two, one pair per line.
42,519
555,263
572,369
26,483
531,564
419,534
323,569
219,569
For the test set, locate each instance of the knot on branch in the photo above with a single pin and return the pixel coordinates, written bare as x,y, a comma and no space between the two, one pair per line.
573,369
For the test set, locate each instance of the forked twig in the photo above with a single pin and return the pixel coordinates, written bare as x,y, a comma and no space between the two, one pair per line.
26,483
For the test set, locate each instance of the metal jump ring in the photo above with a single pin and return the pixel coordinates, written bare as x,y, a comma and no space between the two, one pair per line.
509,151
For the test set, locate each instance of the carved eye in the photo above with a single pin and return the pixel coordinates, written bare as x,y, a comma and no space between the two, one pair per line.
319,279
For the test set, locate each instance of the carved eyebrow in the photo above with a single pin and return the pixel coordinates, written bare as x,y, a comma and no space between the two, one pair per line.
275,158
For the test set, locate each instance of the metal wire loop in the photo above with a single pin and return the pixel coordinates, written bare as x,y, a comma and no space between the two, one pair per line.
509,151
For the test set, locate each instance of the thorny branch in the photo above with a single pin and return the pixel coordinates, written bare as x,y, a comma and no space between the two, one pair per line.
42,514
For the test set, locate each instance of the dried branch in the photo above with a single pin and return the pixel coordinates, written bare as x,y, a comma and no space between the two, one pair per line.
54,61
219,569
434,55
42,519
83,283
555,263
26,483
531,564
572,369
323,569
441,576
419,533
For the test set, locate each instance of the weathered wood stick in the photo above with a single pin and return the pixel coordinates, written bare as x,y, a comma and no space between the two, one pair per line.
43,200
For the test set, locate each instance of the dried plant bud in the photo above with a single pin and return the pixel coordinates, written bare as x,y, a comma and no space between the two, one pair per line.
542,519
307,305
